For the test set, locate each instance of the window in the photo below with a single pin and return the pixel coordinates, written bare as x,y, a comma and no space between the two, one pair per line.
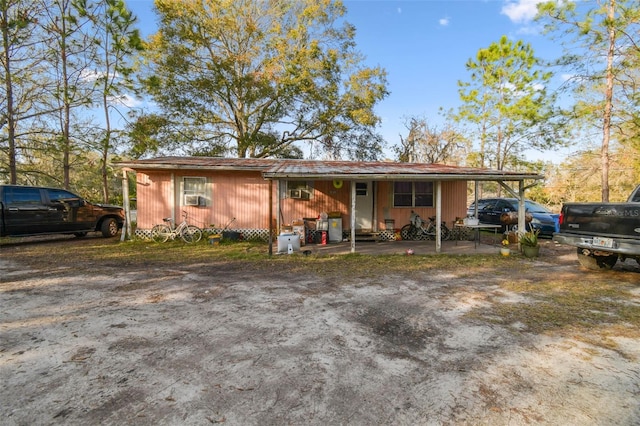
298,189
361,188
194,191
413,194
22,195
61,195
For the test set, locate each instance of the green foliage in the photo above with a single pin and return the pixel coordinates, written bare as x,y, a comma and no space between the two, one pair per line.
601,54
232,72
507,102
529,238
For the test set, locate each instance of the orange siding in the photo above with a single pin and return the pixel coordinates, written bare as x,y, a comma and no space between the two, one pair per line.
244,195
325,198
154,198
454,198
240,195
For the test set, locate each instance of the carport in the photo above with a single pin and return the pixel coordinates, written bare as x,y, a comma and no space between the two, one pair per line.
354,172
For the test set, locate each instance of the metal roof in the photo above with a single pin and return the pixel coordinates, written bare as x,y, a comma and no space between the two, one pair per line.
323,170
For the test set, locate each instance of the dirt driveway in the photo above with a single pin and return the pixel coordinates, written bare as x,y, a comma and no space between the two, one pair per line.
262,343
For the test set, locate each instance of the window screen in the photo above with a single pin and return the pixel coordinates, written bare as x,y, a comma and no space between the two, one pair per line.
413,194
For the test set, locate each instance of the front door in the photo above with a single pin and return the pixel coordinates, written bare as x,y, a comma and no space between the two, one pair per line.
364,205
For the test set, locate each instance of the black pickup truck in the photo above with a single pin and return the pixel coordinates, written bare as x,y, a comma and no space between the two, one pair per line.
31,210
602,232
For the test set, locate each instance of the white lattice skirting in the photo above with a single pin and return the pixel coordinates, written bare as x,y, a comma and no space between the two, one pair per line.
458,233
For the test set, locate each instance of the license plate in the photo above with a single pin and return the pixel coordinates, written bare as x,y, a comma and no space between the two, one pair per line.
603,242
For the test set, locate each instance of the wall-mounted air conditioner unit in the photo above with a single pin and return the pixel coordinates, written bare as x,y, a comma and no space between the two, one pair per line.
295,193
191,200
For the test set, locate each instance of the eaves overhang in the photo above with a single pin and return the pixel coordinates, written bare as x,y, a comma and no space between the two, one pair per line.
400,176
278,169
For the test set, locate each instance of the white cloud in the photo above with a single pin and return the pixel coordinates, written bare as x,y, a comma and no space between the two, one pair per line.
444,21
519,11
125,100
530,30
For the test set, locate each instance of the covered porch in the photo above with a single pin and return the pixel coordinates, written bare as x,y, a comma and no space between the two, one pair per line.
381,172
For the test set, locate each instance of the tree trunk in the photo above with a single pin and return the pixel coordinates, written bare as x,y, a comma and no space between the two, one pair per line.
608,106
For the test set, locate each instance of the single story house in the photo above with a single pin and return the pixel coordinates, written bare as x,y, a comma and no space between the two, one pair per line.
258,196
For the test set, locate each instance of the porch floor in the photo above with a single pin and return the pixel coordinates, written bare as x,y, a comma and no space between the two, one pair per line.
488,245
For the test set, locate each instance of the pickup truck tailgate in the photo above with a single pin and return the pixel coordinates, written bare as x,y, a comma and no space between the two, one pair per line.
611,219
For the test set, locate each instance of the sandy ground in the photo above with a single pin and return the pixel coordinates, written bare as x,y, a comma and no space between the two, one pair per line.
218,344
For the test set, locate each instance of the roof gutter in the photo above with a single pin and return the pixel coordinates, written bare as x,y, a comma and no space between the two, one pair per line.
393,176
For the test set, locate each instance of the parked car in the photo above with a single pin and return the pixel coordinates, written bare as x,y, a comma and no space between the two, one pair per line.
490,210
32,210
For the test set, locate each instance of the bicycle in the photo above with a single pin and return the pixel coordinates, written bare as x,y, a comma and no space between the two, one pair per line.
163,232
416,229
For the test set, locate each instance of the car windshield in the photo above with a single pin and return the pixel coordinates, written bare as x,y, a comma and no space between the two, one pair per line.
532,207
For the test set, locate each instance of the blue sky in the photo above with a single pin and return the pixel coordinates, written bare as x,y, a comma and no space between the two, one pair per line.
424,45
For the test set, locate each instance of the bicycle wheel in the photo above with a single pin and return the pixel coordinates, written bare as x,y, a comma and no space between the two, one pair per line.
191,234
409,232
160,233
445,234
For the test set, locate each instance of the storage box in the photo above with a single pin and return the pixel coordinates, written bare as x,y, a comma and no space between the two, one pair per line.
231,235
470,221
286,240
300,231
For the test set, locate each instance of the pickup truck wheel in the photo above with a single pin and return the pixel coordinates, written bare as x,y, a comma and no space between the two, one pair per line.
109,228
591,261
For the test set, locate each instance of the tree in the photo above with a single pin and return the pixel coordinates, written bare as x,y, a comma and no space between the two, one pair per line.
239,70
70,54
429,144
117,40
507,103
603,44
22,87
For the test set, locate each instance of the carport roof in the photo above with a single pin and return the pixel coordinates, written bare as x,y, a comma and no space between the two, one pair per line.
322,170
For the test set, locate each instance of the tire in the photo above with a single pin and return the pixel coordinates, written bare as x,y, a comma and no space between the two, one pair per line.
445,234
160,233
191,234
109,228
409,232
593,262
80,234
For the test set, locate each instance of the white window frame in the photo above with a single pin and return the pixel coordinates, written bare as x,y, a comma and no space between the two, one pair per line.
194,186
298,189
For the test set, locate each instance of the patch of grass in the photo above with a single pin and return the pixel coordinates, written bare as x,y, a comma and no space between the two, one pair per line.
600,305
251,255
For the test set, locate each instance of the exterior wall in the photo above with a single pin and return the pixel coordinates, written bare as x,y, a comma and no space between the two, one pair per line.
240,195
154,198
454,199
244,195
325,198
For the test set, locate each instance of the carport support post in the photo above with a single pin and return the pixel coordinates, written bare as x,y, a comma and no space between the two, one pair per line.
353,217
522,224
438,216
126,229
270,217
